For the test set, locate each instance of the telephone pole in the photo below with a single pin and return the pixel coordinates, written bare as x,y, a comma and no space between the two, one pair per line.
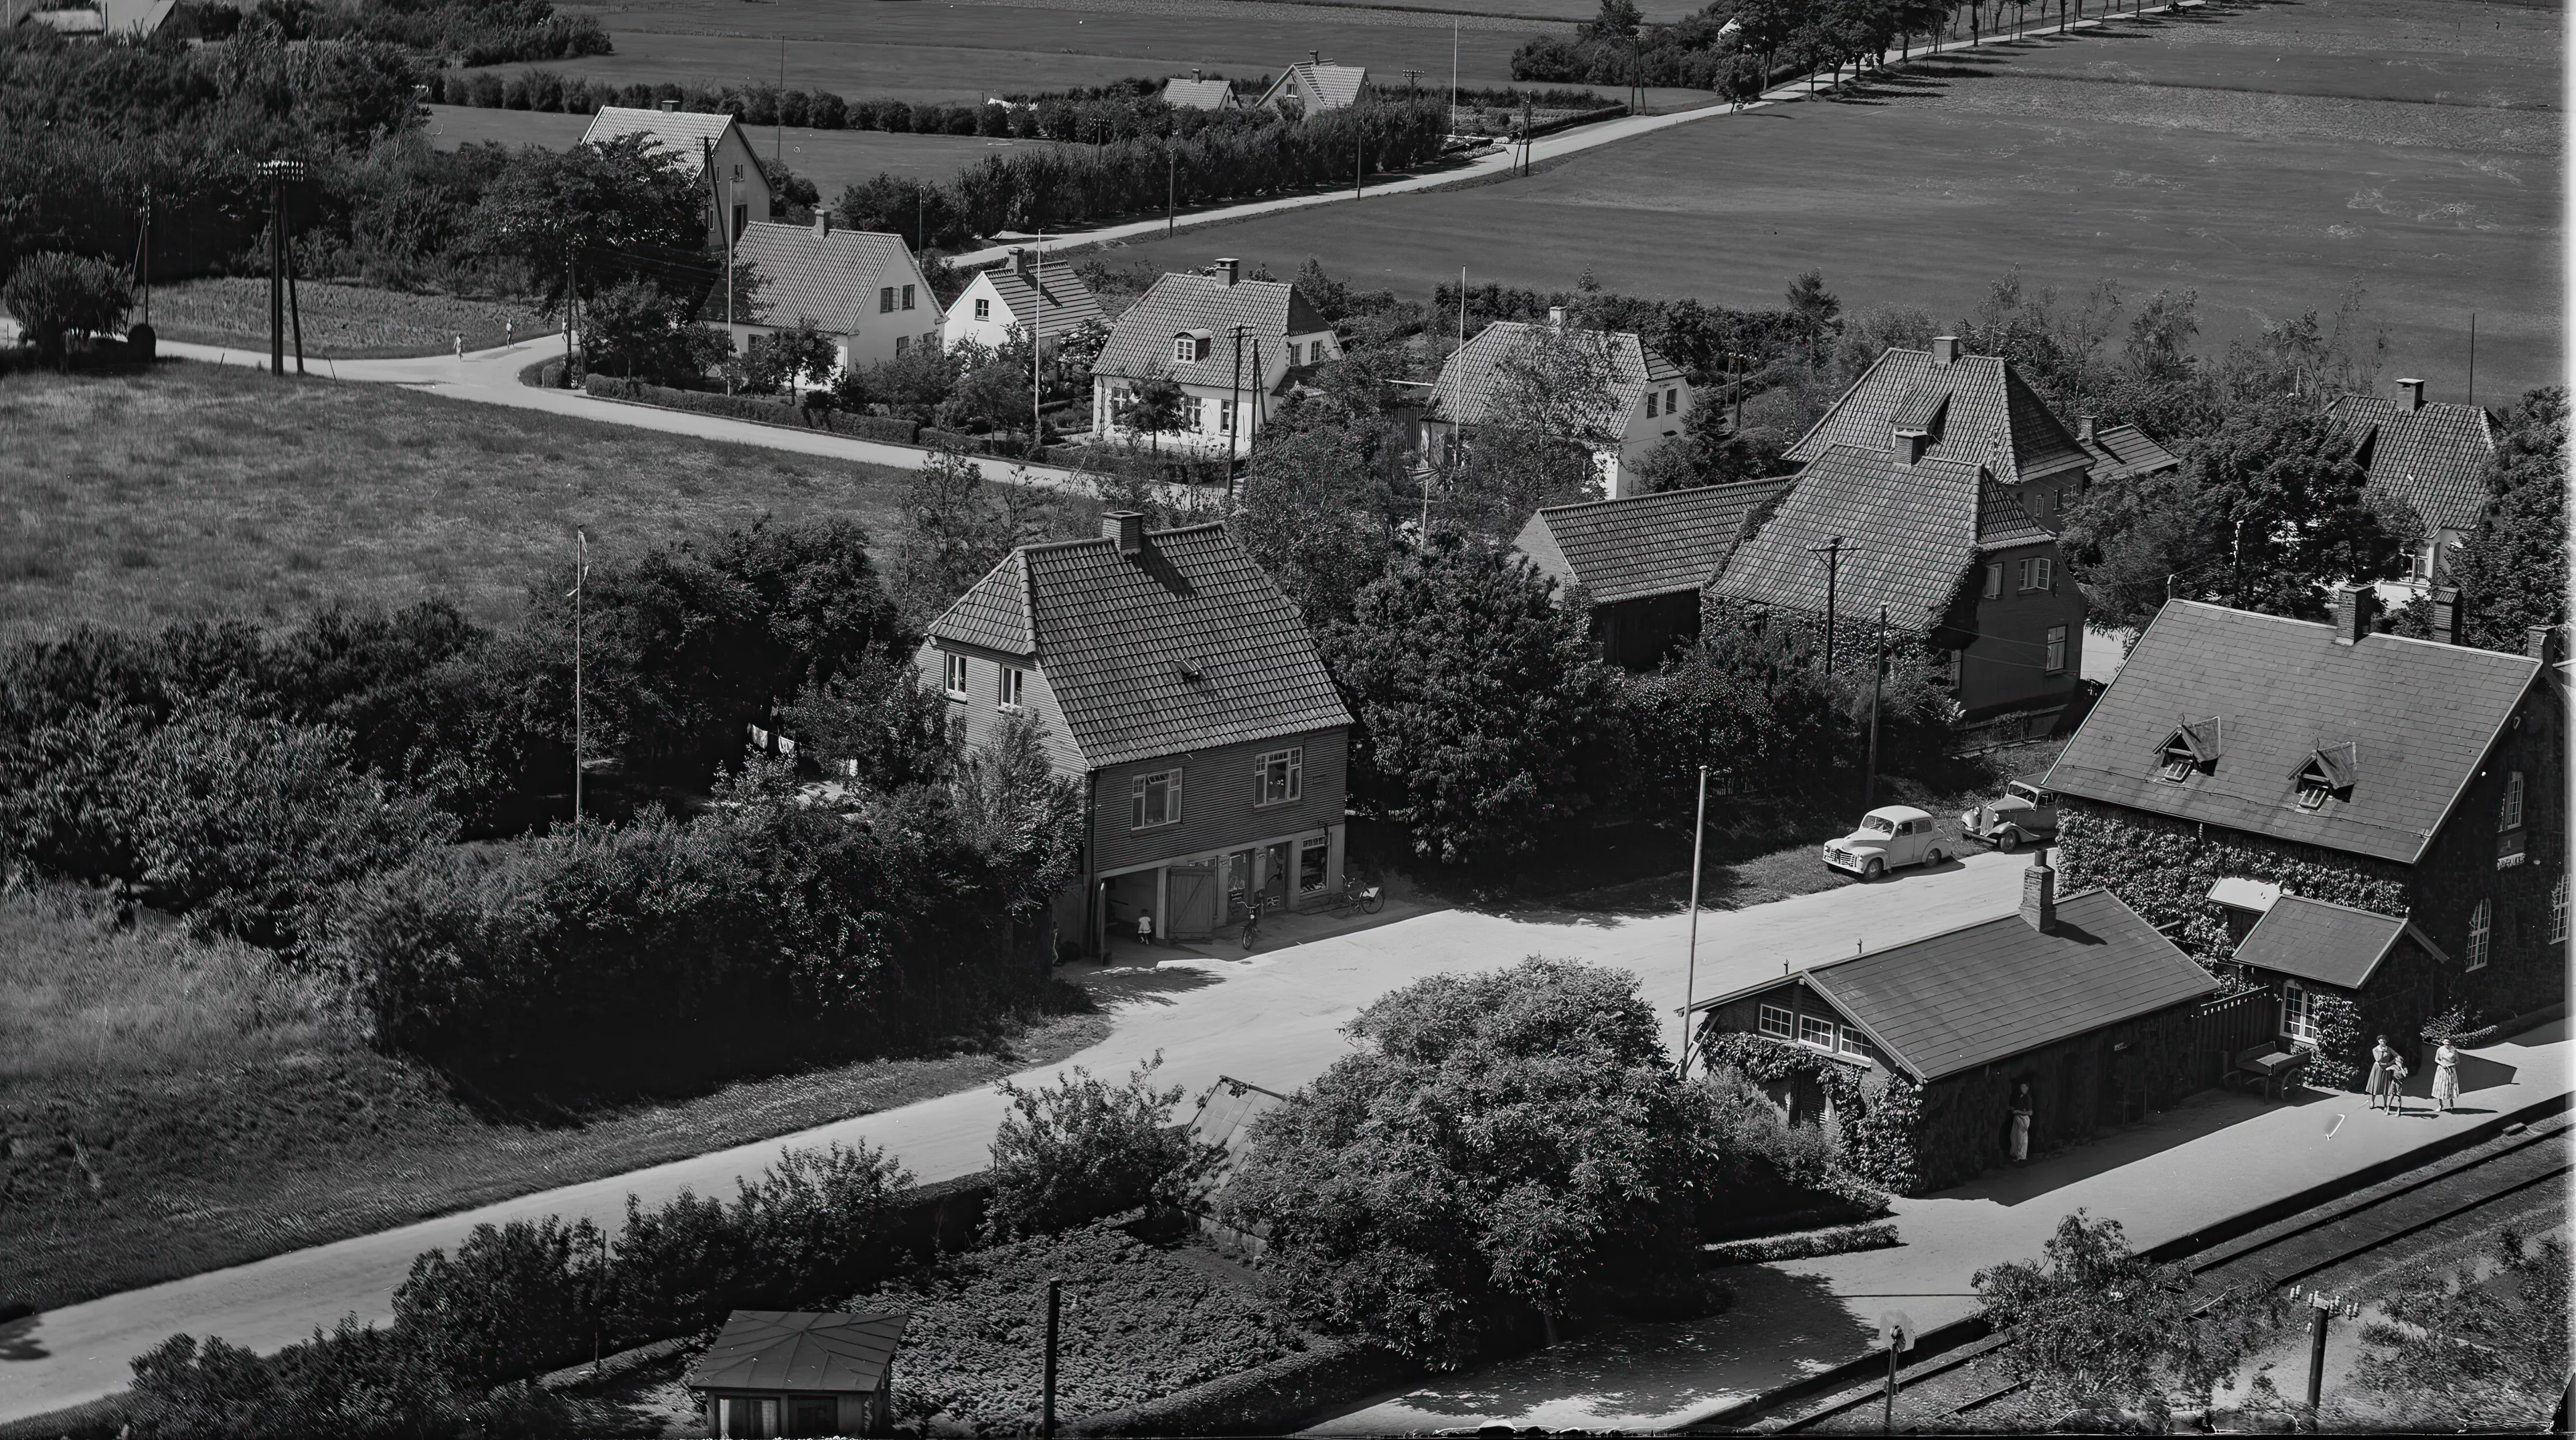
1690,967
580,577
1877,679
281,266
1833,554
1233,412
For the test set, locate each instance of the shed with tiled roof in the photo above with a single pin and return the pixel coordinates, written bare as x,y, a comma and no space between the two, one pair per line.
799,1372
1641,562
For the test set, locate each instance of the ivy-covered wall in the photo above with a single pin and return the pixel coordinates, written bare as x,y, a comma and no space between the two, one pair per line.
2164,867
1877,1111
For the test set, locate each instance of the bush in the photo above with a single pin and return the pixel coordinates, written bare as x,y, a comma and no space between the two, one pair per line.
516,1300
1081,1149
57,297
350,1383
1805,1244
815,1224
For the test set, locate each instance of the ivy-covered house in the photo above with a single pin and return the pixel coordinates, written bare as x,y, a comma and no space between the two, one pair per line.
2402,798
1917,1050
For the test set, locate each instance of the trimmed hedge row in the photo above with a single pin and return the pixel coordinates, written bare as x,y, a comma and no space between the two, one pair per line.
759,409
1805,1244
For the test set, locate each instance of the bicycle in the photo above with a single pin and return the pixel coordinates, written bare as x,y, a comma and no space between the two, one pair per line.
1353,896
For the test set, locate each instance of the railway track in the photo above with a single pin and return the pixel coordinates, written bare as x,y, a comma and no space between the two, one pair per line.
2320,1249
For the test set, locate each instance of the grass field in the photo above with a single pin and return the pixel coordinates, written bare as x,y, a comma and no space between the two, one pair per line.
341,322
169,1107
203,491
831,159
2262,156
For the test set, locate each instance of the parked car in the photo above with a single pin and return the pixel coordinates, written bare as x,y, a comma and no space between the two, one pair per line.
2024,812
1890,837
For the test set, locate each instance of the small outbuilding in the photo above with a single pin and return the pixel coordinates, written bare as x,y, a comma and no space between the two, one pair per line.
790,1372
2305,950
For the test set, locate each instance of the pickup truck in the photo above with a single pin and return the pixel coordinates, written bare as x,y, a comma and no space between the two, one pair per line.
1890,837
2024,812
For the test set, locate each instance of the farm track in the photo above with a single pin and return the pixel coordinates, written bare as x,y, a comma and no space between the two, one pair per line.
2316,1249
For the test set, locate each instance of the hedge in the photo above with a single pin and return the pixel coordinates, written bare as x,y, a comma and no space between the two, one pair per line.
759,409
1802,1245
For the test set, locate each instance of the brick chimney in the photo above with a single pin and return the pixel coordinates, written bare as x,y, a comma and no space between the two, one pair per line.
2084,428
2039,893
2352,607
1945,349
2447,619
670,107
1023,262
1127,527
1230,268
2412,392
822,223
1556,317
1909,446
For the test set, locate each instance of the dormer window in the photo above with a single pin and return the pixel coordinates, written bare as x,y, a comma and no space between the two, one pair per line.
2192,746
1189,346
2327,775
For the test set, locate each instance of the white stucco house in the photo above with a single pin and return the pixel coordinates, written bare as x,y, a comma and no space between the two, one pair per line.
692,139
1648,398
1186,327
860,287
1025,292
1313,85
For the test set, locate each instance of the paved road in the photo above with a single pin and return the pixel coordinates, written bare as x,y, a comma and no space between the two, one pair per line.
1274,1019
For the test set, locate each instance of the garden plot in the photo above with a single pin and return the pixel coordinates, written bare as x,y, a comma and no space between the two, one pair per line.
341,322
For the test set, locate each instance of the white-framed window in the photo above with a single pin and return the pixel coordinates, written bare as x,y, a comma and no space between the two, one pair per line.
2481,930
2299,1015
1994,580
2033,573
1777,1022
2313,791
885,300
2177,764
954,680
2511,819
983,308
1650,404
1157,800
2056,647
907,297
1819,1033
1184,349
1672,399
1225,417
1013,681
2558,911
1855,1043
1279,776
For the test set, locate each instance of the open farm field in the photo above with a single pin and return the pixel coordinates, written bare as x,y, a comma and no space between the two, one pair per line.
201,491
2407,149
830,158
341,322
170,1106
962,52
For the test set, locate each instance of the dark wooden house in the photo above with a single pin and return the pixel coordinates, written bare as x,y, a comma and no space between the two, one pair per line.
2301,950
2081,998
1638,565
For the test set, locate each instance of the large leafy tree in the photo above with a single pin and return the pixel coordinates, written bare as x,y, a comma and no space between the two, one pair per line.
1498,1145
1487,723
1549,412
593,212
2512,571
1320,505
2465,1355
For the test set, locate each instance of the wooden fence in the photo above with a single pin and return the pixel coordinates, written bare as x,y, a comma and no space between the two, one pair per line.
2226,1025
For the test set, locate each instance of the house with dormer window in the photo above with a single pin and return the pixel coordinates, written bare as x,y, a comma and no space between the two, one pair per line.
2332,811
1233,346
1173,682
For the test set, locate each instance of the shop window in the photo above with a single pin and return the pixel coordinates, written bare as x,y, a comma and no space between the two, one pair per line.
1313,857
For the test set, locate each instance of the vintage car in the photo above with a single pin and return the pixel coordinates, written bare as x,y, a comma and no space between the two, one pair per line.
2025,812
1890,837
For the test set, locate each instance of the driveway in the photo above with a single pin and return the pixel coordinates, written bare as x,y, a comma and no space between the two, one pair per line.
1273,1018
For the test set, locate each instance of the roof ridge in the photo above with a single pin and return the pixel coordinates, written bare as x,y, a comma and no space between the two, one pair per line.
2013,914
2401,917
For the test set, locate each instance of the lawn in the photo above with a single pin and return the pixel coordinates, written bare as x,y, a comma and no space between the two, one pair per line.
2261,156
169,1107
203,491
341,322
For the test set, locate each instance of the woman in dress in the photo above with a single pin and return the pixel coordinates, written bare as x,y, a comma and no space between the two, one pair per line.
2021,1111
2381,1058
2446,1077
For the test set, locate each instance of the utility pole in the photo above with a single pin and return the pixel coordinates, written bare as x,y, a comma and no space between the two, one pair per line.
1359,164
1055,1300
1037,334
2473,348
281,267
1171,191
143,263
1877,681
2317,1355
580,578
778,135
1690,967
1233,412
1833,554
1453,72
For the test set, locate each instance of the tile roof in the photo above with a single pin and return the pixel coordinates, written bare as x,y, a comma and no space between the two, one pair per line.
1186,647
1646,544
1988,415
1321,85
1471,378
830,279
2420,716
1069,302
2121,451
1999,988
1140,344
2435,458
1200,94
799,1350
1908,536
684,134
2330,944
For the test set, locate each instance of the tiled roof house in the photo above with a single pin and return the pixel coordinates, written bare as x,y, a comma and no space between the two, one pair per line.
1313,85
2080,998
2122,452
860,287
1184,328
690,138
2430,454
1640,563
1026,292
1647,401
1168,675
2414,784
1197,93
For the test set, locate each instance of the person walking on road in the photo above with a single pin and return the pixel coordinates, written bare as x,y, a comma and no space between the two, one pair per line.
2446,1077
2381,1058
